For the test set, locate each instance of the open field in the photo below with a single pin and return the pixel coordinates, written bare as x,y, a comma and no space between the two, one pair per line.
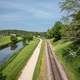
4,40
13,69
69,66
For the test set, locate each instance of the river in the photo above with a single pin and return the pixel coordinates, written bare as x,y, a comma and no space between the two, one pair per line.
7,52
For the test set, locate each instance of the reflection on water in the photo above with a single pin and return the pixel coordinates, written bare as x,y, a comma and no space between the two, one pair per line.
13,46
7,52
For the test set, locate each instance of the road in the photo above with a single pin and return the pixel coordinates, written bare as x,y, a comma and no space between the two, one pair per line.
54,68
27,72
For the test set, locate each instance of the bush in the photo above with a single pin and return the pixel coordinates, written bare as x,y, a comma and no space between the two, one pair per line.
13,38
26,39
2,77
57,37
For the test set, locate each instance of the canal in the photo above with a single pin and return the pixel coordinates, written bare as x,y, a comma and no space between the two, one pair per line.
7,52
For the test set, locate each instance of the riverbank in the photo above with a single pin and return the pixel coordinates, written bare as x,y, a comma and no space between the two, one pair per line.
5,64
5,41
13,69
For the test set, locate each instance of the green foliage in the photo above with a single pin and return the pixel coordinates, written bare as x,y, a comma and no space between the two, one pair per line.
55,31
13,70
76,16
17,32
26,39
49,33
70,5
57,36
37,34
67,54
29,37
71,30
2,77
4,40
13,38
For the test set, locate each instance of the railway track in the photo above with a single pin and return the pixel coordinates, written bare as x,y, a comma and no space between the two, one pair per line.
54,70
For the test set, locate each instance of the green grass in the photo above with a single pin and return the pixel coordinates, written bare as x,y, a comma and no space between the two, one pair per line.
39,62
4,40
13,69
70,67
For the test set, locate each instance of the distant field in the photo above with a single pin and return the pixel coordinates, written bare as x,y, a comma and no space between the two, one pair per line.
4,40
13,70
69,66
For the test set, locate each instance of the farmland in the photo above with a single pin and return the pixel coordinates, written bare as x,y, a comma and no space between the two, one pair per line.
4,40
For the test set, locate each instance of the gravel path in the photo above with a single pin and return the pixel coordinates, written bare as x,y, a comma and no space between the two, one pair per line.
55,69
27,72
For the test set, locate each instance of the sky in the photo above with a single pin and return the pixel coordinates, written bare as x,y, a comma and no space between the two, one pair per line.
29,15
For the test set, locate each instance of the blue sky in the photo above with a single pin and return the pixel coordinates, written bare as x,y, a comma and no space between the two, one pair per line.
30,15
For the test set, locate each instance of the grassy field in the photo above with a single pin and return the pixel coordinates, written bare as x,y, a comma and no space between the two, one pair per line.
69,66
39,62
4,40
13,69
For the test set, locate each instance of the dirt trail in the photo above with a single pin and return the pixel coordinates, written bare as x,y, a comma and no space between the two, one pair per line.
54,68
27,72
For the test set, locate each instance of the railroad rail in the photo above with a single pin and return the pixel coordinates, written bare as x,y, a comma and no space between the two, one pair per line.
55,72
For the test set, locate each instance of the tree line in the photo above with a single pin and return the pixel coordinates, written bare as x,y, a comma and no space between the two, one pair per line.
17,32
69,26
68,29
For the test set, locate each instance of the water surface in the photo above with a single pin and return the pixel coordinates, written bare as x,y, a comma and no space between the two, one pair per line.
7,52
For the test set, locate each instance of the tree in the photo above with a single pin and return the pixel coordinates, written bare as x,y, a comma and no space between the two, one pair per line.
13,38
57,30
72,30
37,34
76,16
65,20
70,5
27,38
49,33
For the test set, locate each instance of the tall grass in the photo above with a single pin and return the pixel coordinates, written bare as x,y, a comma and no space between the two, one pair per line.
71,64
